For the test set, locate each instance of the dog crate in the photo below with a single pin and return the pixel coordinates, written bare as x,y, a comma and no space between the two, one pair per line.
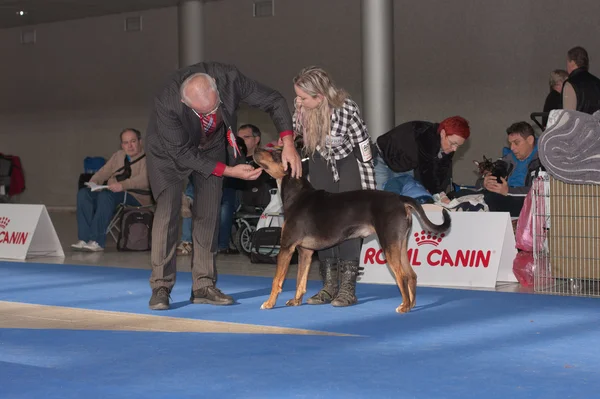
566,233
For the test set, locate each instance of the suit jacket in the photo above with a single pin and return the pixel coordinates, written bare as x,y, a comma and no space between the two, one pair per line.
175,143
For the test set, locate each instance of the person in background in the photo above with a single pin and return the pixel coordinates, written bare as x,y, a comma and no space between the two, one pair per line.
423,150
509,195
554,98
581,91
127,179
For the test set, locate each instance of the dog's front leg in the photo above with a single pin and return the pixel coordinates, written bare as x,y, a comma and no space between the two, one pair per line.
304,261
283,263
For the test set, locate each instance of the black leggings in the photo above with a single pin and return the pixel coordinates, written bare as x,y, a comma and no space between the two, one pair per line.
321,177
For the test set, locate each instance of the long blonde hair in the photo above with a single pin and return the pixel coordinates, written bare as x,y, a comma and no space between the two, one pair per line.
314,124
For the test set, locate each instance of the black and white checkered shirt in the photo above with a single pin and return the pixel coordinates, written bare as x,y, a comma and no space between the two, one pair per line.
348,131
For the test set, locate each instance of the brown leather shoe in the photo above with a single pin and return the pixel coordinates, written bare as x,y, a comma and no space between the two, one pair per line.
210,295
159,299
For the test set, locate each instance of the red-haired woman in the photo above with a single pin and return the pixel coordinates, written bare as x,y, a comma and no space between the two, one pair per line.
424,149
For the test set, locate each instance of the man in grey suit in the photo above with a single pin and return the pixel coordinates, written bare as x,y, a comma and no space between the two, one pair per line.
190,131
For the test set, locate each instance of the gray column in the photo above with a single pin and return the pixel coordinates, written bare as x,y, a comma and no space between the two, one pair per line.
190,15
378,65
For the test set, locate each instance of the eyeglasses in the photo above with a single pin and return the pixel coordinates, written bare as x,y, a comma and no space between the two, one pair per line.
214,111
452,144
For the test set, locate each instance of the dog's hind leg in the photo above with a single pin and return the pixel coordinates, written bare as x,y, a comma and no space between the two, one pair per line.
393,255
283,263
304,261
409,273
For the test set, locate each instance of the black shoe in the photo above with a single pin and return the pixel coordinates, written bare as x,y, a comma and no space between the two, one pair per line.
210,295
228,251
159,299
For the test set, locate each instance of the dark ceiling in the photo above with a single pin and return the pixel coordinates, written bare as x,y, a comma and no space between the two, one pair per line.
44,11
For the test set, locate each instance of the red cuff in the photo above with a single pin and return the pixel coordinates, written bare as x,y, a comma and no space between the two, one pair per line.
286,133
219,169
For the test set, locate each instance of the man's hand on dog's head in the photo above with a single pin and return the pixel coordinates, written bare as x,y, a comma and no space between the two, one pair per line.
290,155
242,171
491,184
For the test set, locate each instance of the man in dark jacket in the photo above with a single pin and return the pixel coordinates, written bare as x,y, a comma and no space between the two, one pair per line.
554,97
581,91
190,130
523,162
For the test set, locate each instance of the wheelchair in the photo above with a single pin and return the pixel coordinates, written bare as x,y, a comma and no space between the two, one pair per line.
244,225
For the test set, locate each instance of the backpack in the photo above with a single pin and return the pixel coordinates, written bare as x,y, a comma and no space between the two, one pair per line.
136,230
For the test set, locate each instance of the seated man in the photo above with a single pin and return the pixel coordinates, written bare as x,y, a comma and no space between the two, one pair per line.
254,192
522,160
127,180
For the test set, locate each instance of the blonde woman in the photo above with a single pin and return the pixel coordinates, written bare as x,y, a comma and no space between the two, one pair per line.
339,149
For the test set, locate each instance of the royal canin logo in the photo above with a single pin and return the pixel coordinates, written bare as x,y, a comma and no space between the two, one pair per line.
11,237
428,238
436,256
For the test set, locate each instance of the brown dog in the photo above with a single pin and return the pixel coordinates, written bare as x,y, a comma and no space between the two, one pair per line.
315,220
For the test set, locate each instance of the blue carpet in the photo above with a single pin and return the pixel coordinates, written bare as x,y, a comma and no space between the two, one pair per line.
454,344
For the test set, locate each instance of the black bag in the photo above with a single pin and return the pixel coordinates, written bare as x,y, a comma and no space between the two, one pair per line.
257,192
136,230
265,246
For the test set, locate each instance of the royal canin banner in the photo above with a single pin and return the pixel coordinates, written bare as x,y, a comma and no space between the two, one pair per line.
478,251
27,230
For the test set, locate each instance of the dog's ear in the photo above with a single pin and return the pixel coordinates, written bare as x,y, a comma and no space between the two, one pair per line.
276,154
476,163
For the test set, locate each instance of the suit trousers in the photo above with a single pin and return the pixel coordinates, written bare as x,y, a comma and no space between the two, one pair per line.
165,232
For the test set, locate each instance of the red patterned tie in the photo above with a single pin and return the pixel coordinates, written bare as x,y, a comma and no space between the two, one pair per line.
208,123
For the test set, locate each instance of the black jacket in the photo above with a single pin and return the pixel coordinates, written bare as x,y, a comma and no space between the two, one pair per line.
416,146
587,90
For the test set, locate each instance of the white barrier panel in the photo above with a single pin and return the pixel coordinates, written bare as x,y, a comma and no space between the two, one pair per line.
478,251
26,230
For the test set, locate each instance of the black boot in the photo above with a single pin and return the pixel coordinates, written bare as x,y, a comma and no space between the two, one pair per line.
329,273
348,274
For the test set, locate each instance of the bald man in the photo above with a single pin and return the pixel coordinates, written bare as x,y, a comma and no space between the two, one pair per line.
192,131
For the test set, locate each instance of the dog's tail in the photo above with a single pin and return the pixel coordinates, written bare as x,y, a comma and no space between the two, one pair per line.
417,209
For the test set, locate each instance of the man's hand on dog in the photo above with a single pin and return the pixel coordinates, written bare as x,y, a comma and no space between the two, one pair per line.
491,184
290,155
242,171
